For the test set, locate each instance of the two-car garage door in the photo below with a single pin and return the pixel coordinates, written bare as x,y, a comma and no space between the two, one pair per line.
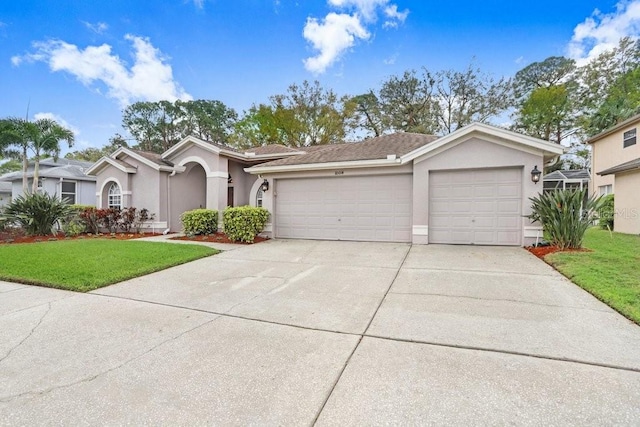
481,206
365,208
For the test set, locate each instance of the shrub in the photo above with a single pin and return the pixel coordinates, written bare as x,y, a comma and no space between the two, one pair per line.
606,212
92,218
244,222
73,227
127,219
565,216
199,221
143,216
37,213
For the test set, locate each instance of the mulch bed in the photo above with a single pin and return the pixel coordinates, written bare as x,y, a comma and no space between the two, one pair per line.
18,236
218,237
542,251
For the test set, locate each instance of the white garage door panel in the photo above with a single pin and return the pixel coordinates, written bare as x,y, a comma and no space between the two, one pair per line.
480,207
367,208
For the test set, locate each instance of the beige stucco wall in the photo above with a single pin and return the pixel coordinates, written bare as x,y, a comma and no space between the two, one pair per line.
627,203
609,152
474,153
188,190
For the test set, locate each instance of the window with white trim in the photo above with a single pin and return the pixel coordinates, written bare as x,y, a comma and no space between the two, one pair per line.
68,192
114,198
629,138
259,196
603,190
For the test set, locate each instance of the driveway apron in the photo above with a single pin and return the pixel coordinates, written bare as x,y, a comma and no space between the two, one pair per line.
313,332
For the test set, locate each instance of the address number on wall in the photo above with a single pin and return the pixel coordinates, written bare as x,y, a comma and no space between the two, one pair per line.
338,173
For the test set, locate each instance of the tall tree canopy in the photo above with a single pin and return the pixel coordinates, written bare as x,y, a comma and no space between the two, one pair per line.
306,114
157,126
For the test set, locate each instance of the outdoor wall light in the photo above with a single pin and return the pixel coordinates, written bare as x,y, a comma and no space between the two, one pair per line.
535,174
265,185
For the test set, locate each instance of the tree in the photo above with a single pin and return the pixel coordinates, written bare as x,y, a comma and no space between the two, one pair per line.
553,71
208,120
601,73
545,97
93,154
157,126
10,166
367,113
306,114
547,113
15,137
621,102
45,138
468,96
407,103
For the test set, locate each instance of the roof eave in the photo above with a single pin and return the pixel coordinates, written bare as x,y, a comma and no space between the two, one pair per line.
254,170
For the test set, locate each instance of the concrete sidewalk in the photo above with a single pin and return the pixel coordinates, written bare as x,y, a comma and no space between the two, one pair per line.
309,332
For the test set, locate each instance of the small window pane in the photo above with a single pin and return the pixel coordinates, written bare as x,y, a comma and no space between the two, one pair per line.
68,187
629,138
259,198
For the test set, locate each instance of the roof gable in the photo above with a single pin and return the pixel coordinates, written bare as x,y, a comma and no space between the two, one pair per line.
492,134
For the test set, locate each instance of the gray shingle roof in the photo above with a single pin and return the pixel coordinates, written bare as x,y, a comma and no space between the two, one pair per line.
271,149
370,149
623,167
154,157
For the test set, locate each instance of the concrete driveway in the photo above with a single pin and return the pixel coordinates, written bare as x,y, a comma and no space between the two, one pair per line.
327,333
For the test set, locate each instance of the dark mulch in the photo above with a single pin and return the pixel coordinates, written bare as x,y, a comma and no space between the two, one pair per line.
218,237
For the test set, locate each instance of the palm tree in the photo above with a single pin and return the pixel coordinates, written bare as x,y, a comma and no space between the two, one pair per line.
45,140
15,136
42,137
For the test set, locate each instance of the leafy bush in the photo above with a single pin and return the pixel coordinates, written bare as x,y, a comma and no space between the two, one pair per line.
143,216
199,221
606,212
92,219
37,213
565,216
243,223
73,227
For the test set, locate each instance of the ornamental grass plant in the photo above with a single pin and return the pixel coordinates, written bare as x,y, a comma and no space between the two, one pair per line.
565,215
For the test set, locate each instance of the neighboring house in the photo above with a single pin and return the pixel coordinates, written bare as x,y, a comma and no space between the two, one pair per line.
64,178
615,166
5,193
469,187
567,179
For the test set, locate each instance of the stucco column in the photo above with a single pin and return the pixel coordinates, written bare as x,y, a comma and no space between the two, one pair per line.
217,192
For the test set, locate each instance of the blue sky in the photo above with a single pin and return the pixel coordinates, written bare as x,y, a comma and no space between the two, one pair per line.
81,62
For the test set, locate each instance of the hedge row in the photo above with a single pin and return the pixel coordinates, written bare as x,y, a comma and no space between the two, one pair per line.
241,224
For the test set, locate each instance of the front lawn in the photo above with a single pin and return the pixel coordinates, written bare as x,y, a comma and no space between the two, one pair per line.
611,271
85,265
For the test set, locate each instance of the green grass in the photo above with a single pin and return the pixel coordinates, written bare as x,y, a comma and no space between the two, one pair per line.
85,265
611,272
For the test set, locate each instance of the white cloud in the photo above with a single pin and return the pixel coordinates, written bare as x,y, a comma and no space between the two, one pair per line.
390,60
62,122
395,17
337,32
98,27
199,3
150,78
601,32
519,60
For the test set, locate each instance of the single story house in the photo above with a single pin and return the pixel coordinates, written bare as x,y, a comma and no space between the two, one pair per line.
615,166
64,178
469,187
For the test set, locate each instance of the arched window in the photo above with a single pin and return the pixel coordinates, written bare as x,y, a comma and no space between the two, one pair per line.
114,199
259,195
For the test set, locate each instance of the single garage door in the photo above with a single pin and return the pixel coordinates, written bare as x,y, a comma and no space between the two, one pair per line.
481,207
363,208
